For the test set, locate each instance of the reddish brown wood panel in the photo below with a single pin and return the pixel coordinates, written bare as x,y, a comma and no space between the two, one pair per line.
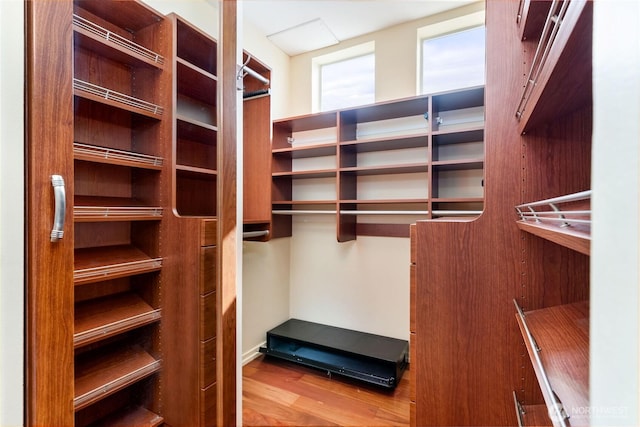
227,220
257,155
467,272
181,323
49,133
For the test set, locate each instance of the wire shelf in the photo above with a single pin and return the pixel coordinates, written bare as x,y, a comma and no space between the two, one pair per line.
110,36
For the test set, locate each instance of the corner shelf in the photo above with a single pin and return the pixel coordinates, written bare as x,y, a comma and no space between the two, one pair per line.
196,128
557,340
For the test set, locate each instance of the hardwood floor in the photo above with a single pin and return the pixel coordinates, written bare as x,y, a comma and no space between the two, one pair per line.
279,393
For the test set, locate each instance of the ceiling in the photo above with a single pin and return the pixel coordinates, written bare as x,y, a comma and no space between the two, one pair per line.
335,20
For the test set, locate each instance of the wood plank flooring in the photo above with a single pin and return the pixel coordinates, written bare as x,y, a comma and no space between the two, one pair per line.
280,393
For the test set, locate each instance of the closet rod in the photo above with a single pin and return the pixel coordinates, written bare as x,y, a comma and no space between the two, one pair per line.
255,74
442,212
253,234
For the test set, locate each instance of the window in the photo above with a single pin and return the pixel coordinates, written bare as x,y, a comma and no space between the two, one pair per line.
347,83
453,61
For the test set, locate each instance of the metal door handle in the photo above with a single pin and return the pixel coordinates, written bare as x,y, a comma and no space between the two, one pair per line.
60,207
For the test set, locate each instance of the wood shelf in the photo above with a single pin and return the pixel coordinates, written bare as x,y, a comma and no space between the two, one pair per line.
132,416
204,132
96,209
458,135
453,165
306,174
91,36
196,171
561,334
556,88
573,238
385,201
105,317
390,143
196,47
531,415
565,220
96,154
386,169
109,371
369,139
305,151
104,263
132,16
304,202
196,83
116,99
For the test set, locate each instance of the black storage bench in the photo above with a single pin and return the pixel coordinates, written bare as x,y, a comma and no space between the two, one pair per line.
372,358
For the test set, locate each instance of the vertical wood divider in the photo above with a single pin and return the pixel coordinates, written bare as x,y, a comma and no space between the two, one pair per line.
227,215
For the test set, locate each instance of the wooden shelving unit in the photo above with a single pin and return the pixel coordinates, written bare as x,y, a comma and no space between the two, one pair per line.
465,269
353,153
123,297
554,116
195,127
120,143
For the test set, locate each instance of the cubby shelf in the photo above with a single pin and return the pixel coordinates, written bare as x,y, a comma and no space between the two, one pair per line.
110,262
388,153
196,131
103,374
112,315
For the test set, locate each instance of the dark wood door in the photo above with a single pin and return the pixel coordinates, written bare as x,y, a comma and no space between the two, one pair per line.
49,293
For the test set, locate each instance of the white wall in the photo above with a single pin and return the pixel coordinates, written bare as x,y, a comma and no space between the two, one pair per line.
364,284
615,250
11,212
396,60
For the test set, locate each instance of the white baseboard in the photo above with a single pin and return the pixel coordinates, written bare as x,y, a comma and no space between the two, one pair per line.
253,353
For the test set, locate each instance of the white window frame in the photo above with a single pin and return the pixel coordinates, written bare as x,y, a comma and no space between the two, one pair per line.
440,29
330,58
